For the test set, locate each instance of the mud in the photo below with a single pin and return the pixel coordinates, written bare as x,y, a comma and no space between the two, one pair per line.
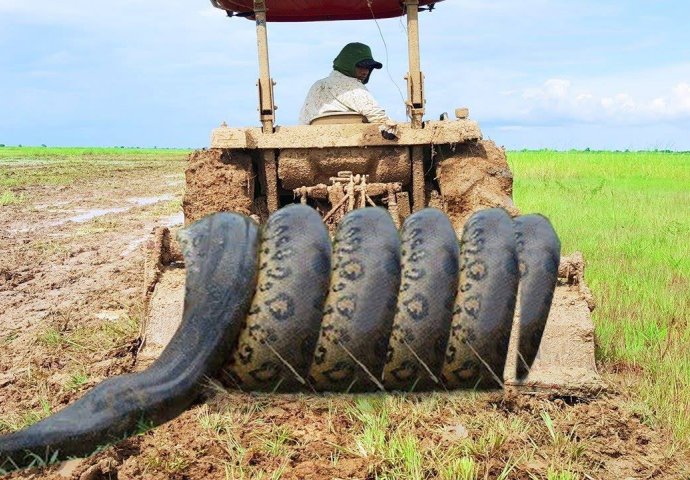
473,176
218,181
71,293
232,435
565,364
70,312
302,167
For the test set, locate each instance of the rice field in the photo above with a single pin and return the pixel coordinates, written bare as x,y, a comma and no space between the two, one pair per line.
629,213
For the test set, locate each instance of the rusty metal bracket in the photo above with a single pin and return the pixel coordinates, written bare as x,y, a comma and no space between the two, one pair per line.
415,77
266,104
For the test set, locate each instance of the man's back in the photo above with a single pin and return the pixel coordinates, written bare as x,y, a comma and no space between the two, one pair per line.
340,93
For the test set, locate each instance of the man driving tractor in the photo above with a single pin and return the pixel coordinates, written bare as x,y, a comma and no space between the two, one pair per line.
344,90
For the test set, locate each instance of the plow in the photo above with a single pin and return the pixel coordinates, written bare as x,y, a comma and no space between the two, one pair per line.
329,258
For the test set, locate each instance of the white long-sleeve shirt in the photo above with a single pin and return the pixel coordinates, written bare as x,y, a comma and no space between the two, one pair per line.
340,93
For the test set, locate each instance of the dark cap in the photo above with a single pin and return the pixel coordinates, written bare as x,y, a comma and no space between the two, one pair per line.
370,63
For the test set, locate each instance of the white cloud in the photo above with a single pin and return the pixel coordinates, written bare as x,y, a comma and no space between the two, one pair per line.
560,99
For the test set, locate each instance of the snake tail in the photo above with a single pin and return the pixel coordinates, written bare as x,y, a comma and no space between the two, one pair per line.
539,251
220,279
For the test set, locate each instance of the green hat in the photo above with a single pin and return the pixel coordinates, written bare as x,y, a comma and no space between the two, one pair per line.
353,55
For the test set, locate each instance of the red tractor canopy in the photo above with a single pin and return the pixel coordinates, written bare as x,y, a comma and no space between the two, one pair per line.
320,10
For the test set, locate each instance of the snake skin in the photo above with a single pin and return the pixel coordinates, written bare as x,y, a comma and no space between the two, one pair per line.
282,310
418,343
220,281
484,306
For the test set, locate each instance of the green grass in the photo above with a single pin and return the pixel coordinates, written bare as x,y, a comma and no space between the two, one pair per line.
76,381
30,166
8,197
95,152
14,422
99,338
629,213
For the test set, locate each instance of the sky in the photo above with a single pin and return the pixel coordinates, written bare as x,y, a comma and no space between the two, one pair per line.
534,73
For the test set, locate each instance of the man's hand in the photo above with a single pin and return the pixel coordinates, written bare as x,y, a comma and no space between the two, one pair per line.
389,130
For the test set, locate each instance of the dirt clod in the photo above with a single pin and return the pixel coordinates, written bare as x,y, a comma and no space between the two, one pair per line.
473,176
218,181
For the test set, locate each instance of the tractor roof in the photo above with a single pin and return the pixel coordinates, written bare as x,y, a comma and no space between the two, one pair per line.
319,10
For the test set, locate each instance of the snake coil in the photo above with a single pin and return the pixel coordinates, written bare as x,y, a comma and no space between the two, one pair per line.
283,310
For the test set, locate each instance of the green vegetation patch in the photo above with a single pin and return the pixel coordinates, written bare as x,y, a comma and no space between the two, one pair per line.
629,213
8,197
13,422
444,435
30,166
102,337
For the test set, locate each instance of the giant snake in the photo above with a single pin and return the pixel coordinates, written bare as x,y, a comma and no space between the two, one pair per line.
284,310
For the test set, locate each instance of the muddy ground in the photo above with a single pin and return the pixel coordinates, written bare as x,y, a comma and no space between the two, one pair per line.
71,281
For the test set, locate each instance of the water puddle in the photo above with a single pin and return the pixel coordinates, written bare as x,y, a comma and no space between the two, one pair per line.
94,213
53,205
173,220
144,201
86,215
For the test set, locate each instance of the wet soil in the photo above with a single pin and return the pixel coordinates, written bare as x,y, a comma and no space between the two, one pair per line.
71,296
218,181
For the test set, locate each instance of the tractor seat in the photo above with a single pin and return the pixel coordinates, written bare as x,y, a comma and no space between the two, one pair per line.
332,118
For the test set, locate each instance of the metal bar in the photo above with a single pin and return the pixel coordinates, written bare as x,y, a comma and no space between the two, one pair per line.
268,164
351,194
415,77
266,105
393,207
417,156
335,209
363,192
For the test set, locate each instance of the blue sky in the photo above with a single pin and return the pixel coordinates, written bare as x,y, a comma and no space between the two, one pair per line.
534,73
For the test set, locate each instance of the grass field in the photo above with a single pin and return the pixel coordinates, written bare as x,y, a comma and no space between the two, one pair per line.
629,213
30,166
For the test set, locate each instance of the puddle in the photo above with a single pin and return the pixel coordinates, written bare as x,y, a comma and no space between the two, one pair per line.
87,215
94,213
50,206
173,220
144,201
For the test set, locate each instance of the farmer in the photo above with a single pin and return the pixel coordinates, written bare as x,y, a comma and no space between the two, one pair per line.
344,90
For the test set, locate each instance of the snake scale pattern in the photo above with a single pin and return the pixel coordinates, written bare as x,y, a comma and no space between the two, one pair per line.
281,309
